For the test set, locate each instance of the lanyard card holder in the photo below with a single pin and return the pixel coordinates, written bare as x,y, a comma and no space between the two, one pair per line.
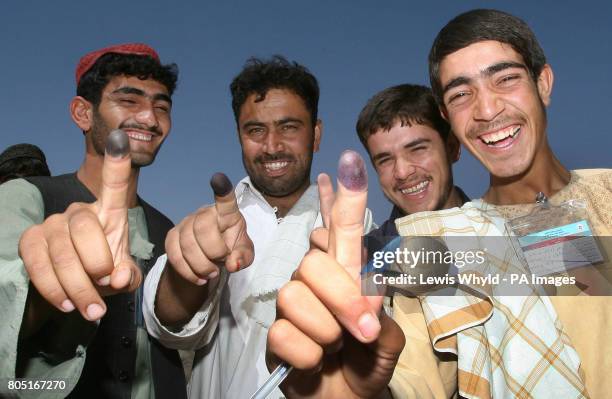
555,239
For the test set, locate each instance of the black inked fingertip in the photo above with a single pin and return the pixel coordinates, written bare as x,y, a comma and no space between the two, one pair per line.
352,172
117,144
221,184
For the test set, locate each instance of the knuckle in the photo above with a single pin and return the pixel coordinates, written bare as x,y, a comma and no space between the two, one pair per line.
36,268
311,262
28,239
279,333
55,219
82,293
203,223
81,220
331,336
289,293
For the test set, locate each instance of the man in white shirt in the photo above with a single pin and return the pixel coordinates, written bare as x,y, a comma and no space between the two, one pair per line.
191,302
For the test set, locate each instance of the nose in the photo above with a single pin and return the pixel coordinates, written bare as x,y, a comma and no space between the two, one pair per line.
146,116
403,169
273,142
488,105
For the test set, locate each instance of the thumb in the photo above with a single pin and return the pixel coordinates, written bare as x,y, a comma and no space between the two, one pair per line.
228,214
116,172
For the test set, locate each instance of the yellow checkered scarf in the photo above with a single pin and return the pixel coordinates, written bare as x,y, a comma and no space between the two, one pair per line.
506,346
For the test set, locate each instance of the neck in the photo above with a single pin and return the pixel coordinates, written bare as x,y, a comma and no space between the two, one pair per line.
546,174
454,199
284,204
90,174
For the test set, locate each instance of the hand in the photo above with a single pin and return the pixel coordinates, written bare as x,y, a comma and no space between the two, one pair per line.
340,343
76,257
211,237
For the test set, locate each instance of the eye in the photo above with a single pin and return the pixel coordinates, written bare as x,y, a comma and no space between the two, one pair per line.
163,108
288,127
458,98
382,161
127,101
508,80
419,148
254,131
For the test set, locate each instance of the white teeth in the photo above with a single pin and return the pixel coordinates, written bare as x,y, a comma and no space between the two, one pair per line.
500,135
417,188
275,165
140,136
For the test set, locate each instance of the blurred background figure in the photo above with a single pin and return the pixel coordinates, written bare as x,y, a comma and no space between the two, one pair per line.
22,160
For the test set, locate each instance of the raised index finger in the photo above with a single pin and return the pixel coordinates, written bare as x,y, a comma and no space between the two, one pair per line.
348,210
116,172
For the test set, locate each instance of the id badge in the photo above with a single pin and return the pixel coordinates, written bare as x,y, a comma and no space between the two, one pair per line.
555,239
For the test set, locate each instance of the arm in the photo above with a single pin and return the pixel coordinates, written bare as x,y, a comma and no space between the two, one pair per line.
195,332
22,207
198,248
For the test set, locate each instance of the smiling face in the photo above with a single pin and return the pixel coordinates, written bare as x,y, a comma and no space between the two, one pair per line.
141,108
494,106
413,164
278,139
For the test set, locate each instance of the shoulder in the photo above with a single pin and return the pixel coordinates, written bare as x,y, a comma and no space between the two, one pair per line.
594,177
153,214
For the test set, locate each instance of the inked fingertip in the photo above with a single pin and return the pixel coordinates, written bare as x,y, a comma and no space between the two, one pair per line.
352,172
221,184
117,144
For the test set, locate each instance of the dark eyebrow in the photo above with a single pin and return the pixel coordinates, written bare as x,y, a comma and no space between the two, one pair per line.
138,92
408,145
493,69
252,123
487,72
416,142
288,120
380,155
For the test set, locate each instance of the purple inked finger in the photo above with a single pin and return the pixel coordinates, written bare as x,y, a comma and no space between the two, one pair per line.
221,184
352,172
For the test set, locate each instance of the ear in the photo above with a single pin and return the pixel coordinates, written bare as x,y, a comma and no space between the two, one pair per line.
545,84
81,112
443,112
318,132
453,148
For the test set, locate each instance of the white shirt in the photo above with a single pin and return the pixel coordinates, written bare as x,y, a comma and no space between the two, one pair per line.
230,329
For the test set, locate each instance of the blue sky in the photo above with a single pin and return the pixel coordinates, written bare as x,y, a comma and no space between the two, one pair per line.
355,48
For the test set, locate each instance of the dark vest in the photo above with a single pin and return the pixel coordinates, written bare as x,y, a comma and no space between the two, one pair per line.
111,355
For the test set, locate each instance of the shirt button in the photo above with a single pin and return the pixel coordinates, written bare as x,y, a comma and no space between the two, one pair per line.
126,342
123,375
131,306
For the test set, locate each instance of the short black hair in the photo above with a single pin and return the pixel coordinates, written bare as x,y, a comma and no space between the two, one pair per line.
259,76
93,82
406,103
480,25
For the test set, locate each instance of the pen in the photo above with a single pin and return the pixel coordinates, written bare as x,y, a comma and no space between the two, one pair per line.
276,378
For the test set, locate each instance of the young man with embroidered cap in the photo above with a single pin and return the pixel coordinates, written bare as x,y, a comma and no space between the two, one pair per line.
192,302
70,284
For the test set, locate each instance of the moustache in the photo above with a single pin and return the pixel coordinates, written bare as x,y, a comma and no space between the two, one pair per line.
281,156
484,127
154,129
